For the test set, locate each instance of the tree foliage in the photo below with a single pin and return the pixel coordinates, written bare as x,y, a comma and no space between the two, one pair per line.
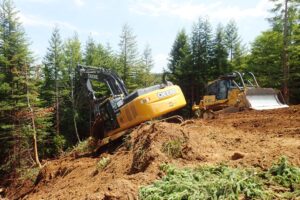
18,92
180,65
276,52
128,54
265,59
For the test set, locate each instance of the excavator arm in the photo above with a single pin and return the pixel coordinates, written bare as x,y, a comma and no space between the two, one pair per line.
110,78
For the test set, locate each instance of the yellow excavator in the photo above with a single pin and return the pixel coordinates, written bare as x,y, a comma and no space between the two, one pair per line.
237,91
114,114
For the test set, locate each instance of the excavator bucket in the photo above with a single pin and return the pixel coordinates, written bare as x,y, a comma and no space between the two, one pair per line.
264,99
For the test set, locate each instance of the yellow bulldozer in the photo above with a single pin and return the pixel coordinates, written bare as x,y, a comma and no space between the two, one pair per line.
114,114
237,91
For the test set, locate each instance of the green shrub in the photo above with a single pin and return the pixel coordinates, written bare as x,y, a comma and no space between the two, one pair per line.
281,181
285,174
173,148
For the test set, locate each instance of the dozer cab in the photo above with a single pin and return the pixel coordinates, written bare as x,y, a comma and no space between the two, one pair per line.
114,114
237,91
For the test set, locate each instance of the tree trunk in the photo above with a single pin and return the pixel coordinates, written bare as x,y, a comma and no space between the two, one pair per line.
35,147
285,54
75,127
71,78
57,101
74,113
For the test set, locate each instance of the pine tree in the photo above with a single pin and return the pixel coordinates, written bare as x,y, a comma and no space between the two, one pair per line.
180,65
147,58
144,76
90,56
99,55
128,56
294,62
284,21
16,128
51,90
219,60
201,45
111,59
72,56
232,40
54,71
265,59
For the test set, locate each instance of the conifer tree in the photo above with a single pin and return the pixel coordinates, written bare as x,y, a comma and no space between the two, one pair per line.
54,70
265,59
99,55
285,20
128,56
232,40
52,90
201,45
294,61
180,65
219,60
90,52
16,130
147,64
72,56
275,53
147,58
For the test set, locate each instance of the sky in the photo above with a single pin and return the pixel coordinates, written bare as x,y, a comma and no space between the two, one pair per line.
154,22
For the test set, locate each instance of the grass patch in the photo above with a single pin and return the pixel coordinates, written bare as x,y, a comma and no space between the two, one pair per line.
102,163
173,148
281,181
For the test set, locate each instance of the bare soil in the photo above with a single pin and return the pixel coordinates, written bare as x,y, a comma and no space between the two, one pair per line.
244,139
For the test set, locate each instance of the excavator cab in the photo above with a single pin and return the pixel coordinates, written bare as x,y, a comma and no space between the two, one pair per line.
238,90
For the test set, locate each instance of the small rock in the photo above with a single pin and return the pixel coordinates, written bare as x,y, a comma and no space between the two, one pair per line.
237,156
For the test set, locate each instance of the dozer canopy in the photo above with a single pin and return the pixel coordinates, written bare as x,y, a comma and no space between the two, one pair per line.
263,99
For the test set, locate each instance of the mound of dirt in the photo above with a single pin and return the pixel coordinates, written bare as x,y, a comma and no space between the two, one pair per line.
249,138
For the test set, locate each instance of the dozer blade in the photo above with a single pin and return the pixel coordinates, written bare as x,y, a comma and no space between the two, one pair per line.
264,99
